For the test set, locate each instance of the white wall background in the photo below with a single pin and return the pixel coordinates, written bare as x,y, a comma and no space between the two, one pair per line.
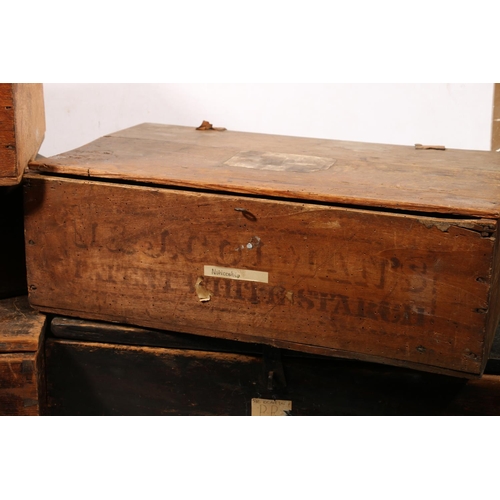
457,115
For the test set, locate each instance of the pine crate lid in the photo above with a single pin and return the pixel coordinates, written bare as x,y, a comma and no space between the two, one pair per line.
453,182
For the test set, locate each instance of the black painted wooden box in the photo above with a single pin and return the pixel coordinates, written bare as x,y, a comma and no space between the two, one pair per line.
106,369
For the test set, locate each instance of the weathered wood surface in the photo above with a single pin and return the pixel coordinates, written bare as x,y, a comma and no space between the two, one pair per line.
112,333
493,366
386,287
21,358
12,255
86,378
22,128
399,177
495,132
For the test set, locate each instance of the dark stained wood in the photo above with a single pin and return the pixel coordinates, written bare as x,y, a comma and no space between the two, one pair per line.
104,379
12,255
493,365
388,287
458,182
85,378
22,128
77,329
22,383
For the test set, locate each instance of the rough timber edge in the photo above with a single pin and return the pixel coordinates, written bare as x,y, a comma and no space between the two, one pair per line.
29,127
293,346
39,169
99,172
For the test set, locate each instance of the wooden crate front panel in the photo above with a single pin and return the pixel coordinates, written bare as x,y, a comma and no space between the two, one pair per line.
378,286
87,378
22,128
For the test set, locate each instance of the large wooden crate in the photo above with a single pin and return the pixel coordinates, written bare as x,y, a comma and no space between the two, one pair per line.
22,128
375,252
107,369
22,332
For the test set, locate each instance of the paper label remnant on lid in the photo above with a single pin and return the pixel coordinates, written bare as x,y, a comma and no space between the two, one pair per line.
279,162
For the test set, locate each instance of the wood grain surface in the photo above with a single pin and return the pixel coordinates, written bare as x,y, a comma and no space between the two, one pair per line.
22,380
457,182
22,128
495,132
86,378
396,288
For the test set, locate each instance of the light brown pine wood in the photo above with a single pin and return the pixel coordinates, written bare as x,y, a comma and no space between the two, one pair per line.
465,183
22,128
395,288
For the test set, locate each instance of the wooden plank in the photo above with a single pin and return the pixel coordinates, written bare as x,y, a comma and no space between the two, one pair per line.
22,128
457,182
8,168
12,254
22,382
85,378
370,285
495,135
112,333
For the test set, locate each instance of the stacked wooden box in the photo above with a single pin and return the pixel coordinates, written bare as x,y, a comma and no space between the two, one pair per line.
317,249
22,128
212,272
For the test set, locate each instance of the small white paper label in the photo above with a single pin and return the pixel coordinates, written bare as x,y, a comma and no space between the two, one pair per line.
270,407
236,274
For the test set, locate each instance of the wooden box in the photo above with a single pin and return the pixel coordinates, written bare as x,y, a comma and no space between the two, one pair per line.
22,332
22,128
107,369
12,255
367,251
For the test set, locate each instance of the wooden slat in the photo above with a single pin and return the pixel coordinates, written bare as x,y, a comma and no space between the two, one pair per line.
22,128
450,182
495,136
78,329
378,286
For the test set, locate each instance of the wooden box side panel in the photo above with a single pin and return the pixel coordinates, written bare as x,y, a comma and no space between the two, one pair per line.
494,301
22,128
19,384
393,288
7,134
87,378
22,333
